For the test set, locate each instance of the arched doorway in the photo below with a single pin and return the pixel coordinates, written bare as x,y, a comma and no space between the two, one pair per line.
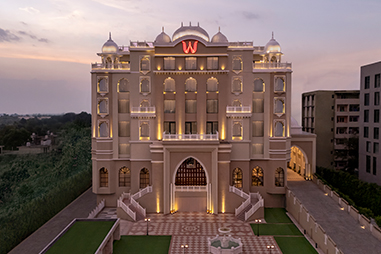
190,191
299,162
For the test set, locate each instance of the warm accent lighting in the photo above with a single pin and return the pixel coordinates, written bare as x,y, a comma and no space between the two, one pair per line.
158,68
222,67
326,194
342,208
190,48
363,227
180,68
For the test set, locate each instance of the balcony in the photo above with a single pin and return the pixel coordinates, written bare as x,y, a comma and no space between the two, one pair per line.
143,112
258,67
239,112
190,137
118,67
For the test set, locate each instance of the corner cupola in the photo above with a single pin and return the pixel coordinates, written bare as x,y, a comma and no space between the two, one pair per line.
272,46
110,46
163,38
219,37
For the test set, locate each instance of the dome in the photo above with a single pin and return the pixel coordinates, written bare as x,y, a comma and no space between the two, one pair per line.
110,46
295,127
163,38
190,30
219,38
272,46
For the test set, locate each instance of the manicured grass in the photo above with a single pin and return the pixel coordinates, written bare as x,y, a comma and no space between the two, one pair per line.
295,245
276,215
276,229
82,237
138,244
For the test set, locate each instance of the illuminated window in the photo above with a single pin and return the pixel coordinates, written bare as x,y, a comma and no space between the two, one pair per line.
144,178
190,173
211,127
103,130
144,130
103,107
170,127
190,106
123,106
279,129
237,63
169,106
237,129
144,85
123,86
191,85
212,85
279,85
237,85
124,129
258,106
169,85
259,85
169,63
257,176
103,177
102,86
212,63
279,177
190,63
211,106
257,128
190,127
237,178
279,106
124,177
145,63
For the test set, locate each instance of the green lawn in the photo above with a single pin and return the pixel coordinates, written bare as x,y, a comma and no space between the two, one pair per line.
139,244
295,245
276,215
82,237
276,229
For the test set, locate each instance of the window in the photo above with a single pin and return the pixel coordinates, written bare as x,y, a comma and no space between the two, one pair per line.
341,119
366,132
191,106
375,147
367,82
353,118
237,178
258,106
103,130
279,106
102,107
237,63
124,106
366,99
376,118
341,108
279,177
190,127
212,63
354,130
376,80
190,63
257,128
340,141
144,85
237,129
341,130
279,129
279,85
124,129
190,173
367,166
144,130
211,127
191,85
212,85
259,85
102,86
169,85
123,86
377,98
124,177
169,63
211,106
374,165
257,176
368,146
354,108
103,177
376,131
169,106
170,127
366,116
144,178
237,85
144,64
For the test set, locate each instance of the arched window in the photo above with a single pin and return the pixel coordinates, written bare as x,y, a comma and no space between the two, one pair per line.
279,106
123,86
124,177
279,85
237,129
237,178
102,86
273,59
144,64
212,85
102,107
103,130
257,176
279,177
237,63
144,104
190,173
144,86
237,85
108,63
103,177
144,178
191,85
144,130
259,85
279,129
169,85
237,103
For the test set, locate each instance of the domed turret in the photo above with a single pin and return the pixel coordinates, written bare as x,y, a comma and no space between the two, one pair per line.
190,30
272,46
110,46
163,38
219,37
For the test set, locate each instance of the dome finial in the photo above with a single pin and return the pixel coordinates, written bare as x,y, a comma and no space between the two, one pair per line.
190,23
181,24
109,35
198,23
162,28
219,29
272,37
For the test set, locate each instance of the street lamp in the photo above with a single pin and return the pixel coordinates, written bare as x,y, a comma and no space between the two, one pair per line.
147,220
258,221
184,246
270,247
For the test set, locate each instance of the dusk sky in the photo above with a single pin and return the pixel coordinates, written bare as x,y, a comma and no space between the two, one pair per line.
47,46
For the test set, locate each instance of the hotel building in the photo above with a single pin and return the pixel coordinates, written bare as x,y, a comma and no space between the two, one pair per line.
193,123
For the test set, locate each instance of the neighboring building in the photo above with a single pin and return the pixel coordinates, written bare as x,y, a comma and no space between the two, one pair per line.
369,141
191,116
334,117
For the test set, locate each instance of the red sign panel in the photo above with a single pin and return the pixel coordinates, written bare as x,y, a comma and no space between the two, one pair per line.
189,48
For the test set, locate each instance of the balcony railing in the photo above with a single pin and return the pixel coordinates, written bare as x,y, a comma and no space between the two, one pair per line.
235,111
189,137
101,66
191,188
143,111
286,66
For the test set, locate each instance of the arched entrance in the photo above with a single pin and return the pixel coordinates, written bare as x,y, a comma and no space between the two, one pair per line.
190,191
299,162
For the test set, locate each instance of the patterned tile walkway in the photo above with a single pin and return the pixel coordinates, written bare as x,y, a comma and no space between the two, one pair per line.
194,228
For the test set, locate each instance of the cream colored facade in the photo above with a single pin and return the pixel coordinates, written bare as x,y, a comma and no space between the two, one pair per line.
191,116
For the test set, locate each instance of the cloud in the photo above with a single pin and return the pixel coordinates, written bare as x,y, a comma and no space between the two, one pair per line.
33,37
6,35
250,15
30,10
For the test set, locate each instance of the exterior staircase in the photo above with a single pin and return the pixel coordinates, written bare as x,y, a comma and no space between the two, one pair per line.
251,208
128,208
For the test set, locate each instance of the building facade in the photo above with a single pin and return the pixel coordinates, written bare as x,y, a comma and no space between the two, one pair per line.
191,116
334,117
369,153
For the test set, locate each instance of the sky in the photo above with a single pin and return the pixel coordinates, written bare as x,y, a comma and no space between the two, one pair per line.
47,46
